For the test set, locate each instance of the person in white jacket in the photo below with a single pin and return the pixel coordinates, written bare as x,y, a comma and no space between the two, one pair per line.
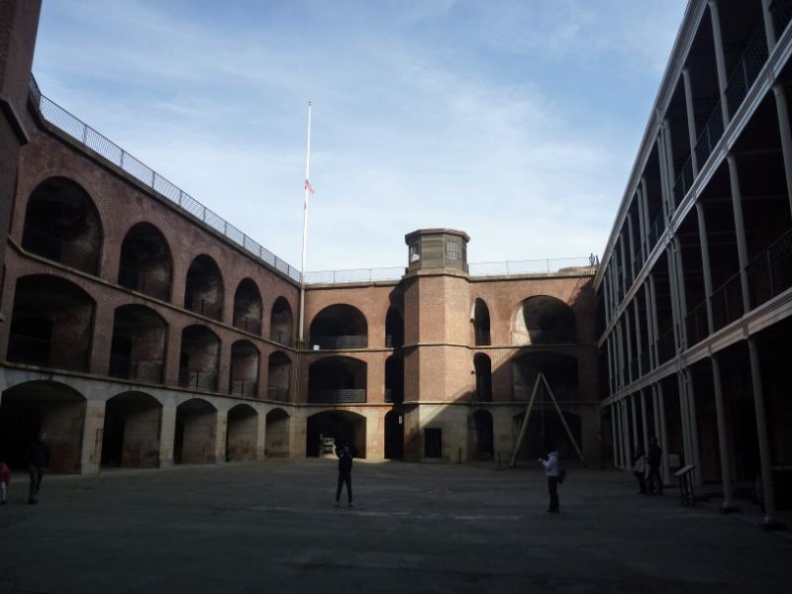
552,470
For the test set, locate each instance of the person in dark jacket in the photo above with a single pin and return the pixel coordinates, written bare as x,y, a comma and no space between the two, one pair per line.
654,458
345,455
38,460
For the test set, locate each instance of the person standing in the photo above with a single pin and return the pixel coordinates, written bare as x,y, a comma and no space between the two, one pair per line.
38,460
653,459
551,469
639,469
345,456
5,478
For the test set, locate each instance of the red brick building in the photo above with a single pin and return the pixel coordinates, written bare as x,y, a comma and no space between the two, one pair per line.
143,330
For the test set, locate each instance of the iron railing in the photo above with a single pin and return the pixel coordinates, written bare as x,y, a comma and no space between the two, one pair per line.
247,388
394,395
57,250
201,380
343,396
124,367
782,14
747,70
282,337
135,280
727,303
697,324
770,273
709,137
350,341
93,140
278,393
248,325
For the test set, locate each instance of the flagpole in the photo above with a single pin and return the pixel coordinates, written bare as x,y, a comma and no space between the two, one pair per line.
301,333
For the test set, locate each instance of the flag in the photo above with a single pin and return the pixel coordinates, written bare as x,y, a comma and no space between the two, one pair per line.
309,187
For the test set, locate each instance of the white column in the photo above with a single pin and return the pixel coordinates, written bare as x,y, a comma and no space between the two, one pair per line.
720,59
691,120
769,25
761,430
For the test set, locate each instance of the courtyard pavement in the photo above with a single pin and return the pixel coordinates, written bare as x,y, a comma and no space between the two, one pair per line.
271,527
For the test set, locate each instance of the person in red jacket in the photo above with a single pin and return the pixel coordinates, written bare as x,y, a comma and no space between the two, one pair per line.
5,478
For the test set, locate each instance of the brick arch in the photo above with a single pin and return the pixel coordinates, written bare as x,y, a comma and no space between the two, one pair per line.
62,224
146,261
544,320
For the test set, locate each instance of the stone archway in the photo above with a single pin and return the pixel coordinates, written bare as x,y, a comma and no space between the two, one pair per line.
52,407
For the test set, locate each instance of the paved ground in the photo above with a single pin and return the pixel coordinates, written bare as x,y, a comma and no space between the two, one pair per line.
271,527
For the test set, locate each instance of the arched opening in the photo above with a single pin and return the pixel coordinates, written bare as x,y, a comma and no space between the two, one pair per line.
242,434
195,435
31,407
394,328
337,380
51,323
339,327
138,346
198,362
62,225
482,435
243,377
278,377
560,371
394,435
546,433
146,263
281,322
203,292
247,307
131,436
483,367
394,378
277,435
342,426
481,323
544,320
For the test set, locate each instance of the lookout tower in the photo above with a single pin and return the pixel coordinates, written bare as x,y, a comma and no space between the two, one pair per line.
437,249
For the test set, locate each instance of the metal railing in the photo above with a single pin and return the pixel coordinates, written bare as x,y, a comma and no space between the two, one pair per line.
727,303
124,367
394,395
278,393
349,341
709,137
344,396
93,140
282,337
770,273
747,70
202,380
782,14
697,324
248,325
247,388
135,280
58,250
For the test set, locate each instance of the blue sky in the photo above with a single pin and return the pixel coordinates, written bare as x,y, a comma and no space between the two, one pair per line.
516,121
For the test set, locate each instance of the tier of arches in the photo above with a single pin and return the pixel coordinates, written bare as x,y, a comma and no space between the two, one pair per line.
63,225
53,325
140,429
135,429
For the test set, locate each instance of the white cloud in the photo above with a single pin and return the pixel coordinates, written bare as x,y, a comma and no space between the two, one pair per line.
420,120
